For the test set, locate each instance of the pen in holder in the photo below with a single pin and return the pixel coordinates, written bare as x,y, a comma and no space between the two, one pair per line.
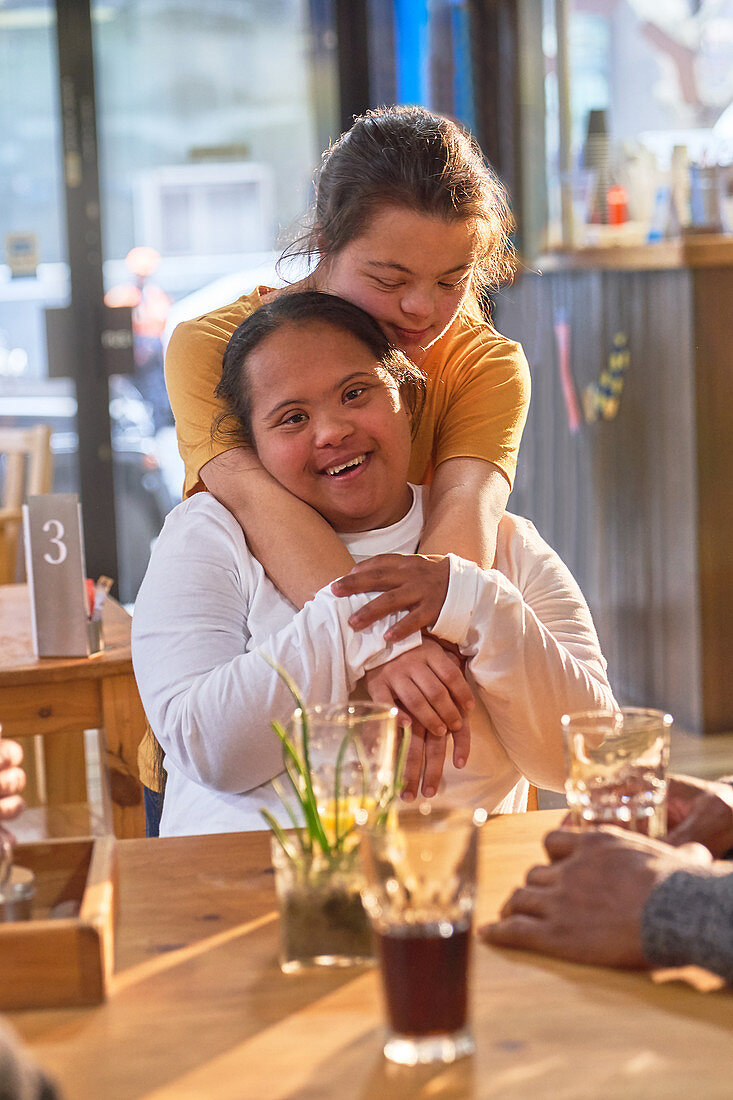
96,595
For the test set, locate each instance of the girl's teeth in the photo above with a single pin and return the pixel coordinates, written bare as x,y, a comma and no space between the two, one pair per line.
345,466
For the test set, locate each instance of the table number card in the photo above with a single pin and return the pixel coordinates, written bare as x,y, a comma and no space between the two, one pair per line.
54,558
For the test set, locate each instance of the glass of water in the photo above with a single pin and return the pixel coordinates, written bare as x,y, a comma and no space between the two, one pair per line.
617,768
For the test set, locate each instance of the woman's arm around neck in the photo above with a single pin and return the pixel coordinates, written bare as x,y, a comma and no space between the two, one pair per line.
298,549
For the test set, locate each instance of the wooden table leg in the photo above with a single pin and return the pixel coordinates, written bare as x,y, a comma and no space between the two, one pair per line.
124,725
34,793
65,767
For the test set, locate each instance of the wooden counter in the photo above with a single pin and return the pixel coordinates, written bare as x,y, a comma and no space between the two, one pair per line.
200,1011
695,250
639,506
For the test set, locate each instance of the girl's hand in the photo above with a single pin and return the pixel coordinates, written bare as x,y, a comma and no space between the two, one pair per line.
427,683
407,582
428,687
426,760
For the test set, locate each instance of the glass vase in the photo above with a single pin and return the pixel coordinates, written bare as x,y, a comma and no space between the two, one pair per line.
322,919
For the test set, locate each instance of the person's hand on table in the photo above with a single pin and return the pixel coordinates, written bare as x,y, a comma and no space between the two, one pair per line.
586,904
428,687
12,780
415,583
699,811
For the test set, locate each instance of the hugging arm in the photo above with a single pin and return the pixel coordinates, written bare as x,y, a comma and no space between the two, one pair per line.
532,650
297,548
468,497
209,701
300,566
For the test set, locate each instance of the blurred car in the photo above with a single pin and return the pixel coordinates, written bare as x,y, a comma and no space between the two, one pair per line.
262,270
142,496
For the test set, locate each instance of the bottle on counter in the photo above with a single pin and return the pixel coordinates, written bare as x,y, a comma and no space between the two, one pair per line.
596,158
705,198
679,181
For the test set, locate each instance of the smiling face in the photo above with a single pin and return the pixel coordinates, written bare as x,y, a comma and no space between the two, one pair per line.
329,424
410,271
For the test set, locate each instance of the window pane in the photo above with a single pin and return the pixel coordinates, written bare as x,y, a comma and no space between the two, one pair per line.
31,191
651,94
34,274
420,52
212,115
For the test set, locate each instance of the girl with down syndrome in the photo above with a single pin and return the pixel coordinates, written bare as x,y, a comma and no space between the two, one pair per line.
330,408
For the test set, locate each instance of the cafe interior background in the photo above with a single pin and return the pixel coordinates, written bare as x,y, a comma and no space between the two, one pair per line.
153,153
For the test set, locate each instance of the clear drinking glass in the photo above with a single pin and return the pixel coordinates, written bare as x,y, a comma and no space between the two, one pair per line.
420,868
617,768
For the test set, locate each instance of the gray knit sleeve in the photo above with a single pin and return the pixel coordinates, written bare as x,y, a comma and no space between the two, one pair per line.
688,919
20,1076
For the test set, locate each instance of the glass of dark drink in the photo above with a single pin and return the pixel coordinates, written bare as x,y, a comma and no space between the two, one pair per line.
420,871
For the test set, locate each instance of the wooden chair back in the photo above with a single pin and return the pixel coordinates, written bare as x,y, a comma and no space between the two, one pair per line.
26,469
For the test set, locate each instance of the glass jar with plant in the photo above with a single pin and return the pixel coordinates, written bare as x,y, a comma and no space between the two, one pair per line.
342,764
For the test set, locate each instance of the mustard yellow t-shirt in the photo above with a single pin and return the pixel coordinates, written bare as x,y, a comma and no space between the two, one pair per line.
477,393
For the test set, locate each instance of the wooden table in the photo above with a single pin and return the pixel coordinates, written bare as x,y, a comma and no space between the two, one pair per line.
200,1011
57,695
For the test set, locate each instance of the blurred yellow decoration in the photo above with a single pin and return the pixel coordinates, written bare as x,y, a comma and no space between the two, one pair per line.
602,399
347,810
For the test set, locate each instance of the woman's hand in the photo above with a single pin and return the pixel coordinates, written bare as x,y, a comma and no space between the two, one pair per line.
407,582
430,690
12,780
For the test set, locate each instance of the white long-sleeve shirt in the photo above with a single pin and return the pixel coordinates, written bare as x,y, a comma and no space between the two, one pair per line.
206,605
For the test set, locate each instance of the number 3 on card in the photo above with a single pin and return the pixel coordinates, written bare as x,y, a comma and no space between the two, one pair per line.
57,540
54,555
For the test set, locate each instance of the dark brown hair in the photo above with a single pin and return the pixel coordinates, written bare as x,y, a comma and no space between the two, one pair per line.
408,157
300,308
